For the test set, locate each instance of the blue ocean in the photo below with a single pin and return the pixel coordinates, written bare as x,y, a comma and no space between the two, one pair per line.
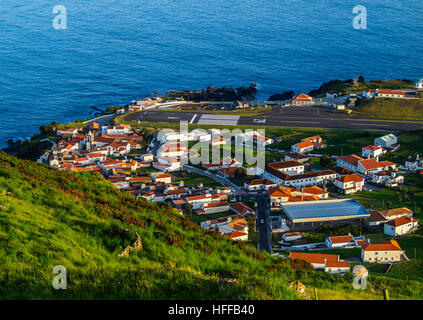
115,51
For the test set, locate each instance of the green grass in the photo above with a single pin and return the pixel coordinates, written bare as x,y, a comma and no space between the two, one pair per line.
50,217
192,179
395,109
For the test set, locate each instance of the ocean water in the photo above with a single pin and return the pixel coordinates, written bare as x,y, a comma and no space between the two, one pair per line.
115,51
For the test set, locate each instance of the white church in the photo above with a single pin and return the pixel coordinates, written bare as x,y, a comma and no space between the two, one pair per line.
419,85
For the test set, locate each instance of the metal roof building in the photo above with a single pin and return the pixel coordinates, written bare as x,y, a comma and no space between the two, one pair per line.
312,214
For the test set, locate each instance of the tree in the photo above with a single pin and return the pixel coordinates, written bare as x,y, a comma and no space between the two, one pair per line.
187,209
361,79
324,161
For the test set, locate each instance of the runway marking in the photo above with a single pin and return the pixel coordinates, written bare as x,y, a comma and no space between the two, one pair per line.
301,121
219,119
193,118
370,124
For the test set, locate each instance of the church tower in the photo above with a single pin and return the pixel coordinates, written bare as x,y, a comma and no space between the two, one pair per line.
89,140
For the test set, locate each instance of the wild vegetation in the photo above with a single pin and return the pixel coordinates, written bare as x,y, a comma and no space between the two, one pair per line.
348,86
50,217
388,108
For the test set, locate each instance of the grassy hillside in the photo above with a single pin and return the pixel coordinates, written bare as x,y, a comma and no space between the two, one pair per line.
50,217
387,108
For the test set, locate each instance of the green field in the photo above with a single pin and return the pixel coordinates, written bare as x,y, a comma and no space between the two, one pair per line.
50,217
387,108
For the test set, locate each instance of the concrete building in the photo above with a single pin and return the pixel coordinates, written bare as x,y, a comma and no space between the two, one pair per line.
386,252
400,226
313,214
387,141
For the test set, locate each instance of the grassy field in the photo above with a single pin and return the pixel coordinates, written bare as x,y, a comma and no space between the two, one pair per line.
395,109
346,88
50,217
191,179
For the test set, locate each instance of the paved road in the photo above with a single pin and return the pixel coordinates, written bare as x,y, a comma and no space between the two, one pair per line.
103,120
223,181
264,241
307,117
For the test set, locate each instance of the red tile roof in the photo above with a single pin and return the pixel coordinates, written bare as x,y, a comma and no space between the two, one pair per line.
351,159
314,257
401,221
341,239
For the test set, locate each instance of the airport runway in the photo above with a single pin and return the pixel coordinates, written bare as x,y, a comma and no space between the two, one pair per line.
303,117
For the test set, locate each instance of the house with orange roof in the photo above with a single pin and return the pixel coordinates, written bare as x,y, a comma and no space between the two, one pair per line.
215,207
392,214
400,226
372,151
241,208
161,177
227,172
349,162
349,184
370,166
319,261
302,147
259,184
340,241
238,236
303,100
218,141
388,93
387,178
385,252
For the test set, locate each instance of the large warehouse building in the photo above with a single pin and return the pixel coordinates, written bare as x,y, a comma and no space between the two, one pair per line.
302,216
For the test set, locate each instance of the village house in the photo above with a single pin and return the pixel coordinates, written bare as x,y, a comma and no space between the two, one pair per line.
303,100
67,133
388,93
376,219
349,162
385,252
387,178
338,105
241,208
392,214
372,151
259,184
291,236
299,157
291,174
413,163
161,177
302,147
340,241
349,184
122,129
389,141
364,166
400,226
327,262
215,207
227,172
280,194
